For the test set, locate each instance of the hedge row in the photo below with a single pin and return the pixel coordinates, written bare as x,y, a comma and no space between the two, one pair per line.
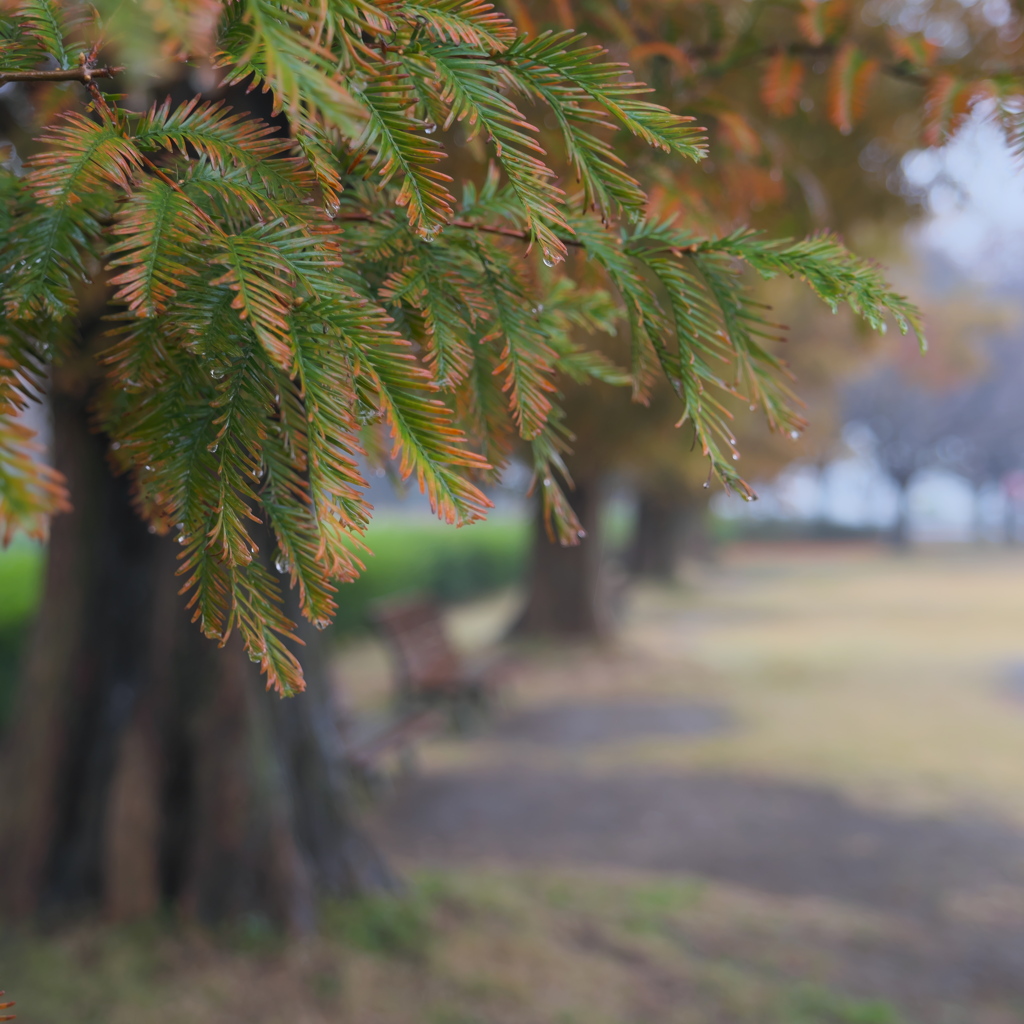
427,557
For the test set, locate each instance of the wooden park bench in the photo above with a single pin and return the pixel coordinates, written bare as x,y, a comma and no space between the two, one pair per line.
434,687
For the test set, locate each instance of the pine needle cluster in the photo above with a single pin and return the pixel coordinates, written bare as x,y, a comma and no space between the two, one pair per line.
286,295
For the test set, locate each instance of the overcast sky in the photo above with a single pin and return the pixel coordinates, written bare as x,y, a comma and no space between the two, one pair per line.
975,198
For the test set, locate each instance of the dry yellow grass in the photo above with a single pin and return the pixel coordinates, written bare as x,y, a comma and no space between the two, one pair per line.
881,675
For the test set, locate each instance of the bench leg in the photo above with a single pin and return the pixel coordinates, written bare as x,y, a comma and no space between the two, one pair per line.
468,709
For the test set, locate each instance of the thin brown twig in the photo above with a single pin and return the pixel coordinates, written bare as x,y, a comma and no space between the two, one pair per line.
101,104
83,73
495,229
901,70
466,225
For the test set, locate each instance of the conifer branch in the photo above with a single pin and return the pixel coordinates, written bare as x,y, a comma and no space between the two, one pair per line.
263,339
497,229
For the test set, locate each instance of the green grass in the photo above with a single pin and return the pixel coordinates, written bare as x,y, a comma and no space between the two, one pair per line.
652,904
386,925
812,1005
21,577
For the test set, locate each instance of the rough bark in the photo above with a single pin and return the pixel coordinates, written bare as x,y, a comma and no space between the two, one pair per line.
146,767
659,535
671,525
568,588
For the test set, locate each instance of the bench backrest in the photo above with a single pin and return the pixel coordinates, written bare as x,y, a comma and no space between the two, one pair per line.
425,659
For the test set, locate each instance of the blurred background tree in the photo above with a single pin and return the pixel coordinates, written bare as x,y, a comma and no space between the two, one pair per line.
964,420
811,107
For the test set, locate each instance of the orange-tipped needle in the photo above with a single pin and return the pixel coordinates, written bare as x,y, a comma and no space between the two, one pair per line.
6,1006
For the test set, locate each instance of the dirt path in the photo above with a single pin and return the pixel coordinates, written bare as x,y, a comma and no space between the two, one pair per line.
799,841
777,838
708,803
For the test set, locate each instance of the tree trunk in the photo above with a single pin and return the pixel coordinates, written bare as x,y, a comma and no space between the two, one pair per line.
146,767
663,522
1009,519
900,534
567,588
979,533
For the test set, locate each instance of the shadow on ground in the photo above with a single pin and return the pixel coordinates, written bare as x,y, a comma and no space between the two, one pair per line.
921,872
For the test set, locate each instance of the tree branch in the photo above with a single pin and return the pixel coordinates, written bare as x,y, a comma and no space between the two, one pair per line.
494,229
466,225
83,73
901,70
